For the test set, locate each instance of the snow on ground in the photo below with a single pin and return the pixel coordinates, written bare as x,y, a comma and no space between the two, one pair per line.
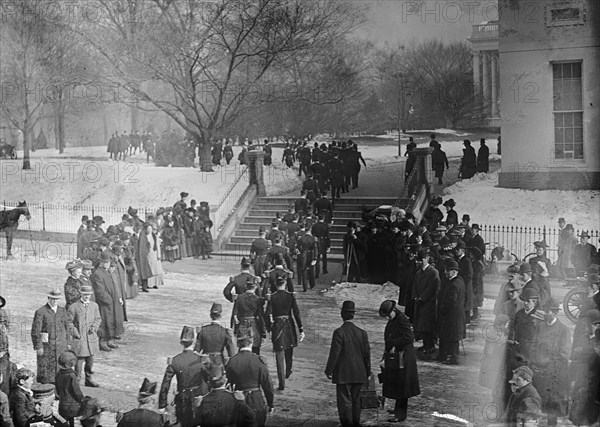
489,204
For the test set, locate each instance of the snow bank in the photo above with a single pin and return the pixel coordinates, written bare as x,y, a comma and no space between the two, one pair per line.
489,204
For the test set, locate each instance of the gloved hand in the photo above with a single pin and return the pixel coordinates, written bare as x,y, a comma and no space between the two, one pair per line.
301,337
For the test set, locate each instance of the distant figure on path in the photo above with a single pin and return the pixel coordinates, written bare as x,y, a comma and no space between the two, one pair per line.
483,157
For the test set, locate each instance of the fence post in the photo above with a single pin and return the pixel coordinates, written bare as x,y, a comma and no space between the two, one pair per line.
93,215
43,216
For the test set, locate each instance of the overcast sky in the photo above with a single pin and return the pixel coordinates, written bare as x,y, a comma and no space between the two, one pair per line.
397,21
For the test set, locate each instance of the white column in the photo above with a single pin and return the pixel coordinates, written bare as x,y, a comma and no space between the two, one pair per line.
476,74
486,83
494,87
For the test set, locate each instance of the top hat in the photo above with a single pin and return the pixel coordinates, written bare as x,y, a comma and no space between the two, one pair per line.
147,389
67,359
475,227
2,302
525,268
524,372
529,293
54,293
348,306
41,391
386,307
216,308
73,264
187,334
184,194
450,203
466,217
540,244
451,265
98,220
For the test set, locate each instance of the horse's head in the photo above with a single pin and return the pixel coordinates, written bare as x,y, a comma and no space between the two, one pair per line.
23,206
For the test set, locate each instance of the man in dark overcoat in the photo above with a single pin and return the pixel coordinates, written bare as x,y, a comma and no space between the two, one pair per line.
282,316
51,334
425,290
109,303
465,271
248,316
349,365
451,314
192,380
249,374
238,283
307,258
483,157
321,232
399,361
524,329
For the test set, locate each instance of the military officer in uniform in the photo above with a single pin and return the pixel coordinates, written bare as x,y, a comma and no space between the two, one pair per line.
307,258
248,372
278,249
321,231
258,252
213,339
222,408
192,380
238,283
278,271
283,316
144,415
248,316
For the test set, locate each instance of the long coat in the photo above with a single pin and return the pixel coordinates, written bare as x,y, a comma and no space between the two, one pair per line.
551,365
281,312
86,321
483,159
69,393
400,383
143,248
466,272
349,359
451,310
59,328
426,287
107,298
524,330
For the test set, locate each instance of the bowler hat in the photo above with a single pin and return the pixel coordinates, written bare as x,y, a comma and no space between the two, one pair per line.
54,293
67,359
98,220
348,306
147,389
187,334
2,302
584,234
386,307
450,202
529,293
451,265
184,194
475,227
86,290
525,268
524,372
216,308
561,220
540,244
569,227
461,245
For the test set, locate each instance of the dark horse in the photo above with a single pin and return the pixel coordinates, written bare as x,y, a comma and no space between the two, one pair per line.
9,221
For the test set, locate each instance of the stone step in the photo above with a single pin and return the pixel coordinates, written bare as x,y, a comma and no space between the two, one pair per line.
345,199
331,257
339,225
336,213
243,249
283,208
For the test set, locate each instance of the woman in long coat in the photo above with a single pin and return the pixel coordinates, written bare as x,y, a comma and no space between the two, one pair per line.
400,380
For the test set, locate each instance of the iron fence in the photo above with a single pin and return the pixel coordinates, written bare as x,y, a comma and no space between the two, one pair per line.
519,240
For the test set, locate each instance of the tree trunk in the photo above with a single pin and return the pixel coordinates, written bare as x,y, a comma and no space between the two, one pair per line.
105,140
135,117
26,143
60,122
204,156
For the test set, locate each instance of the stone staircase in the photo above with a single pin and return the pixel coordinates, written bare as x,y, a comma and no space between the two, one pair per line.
264,210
